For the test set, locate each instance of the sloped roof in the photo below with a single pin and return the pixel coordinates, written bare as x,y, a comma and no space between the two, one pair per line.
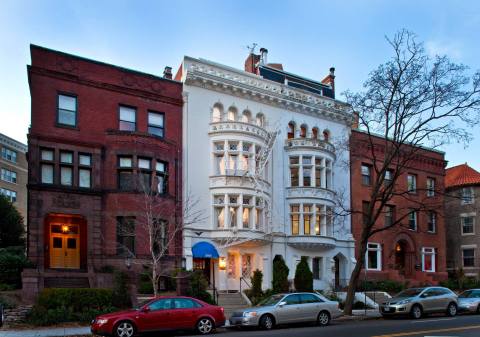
461,175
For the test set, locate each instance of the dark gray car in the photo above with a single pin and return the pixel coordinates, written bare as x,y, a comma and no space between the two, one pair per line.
419,301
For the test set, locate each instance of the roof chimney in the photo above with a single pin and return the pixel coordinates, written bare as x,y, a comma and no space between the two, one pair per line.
330,80
263,56
251,63
167,73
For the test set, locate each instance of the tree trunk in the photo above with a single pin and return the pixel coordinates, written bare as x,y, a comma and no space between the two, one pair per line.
352,284
155,281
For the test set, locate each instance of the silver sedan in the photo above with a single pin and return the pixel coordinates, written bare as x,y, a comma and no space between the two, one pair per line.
469,301
285,309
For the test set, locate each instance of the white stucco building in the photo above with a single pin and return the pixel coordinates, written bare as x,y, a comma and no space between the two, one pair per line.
257,209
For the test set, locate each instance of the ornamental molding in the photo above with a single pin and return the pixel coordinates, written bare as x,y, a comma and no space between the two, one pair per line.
238,127
213,76
311,242
310,144
311,193
239,181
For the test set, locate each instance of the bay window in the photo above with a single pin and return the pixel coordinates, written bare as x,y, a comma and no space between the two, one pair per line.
161,174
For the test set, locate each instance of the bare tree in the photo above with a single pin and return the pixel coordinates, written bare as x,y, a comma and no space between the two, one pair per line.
158,224
409,102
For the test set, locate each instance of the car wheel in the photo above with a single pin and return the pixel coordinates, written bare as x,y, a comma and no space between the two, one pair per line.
205,326
452,309
323,318
124,329
416,312
266,322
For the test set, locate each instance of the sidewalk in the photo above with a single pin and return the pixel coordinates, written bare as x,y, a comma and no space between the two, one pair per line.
360,315
47,332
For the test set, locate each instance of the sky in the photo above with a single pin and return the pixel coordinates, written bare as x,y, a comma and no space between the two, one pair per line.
308,37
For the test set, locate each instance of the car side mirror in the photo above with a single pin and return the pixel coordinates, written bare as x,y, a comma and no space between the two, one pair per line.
281,304
145,309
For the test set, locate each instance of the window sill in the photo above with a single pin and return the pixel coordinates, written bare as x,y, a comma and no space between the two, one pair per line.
467,234
69,127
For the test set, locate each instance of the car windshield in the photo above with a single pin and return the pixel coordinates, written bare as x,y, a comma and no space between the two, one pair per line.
470,294
410,292
270,300
142,303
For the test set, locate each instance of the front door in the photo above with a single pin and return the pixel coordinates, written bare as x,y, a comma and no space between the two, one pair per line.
204,266
64,246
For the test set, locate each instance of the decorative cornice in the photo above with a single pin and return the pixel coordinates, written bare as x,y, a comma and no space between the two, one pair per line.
311,193
238,127
220,78
309,143
239,181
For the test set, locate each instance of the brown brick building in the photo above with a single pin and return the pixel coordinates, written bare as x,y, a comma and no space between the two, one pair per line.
13,173
413,251
462,218
97,128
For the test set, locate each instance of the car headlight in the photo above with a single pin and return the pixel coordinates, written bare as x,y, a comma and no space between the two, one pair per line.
102,320
404,302
250,314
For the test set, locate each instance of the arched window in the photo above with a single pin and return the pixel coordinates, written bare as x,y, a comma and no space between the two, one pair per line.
303,131
314,133
326,135
291,130
232,114
217,112
260,119
246,116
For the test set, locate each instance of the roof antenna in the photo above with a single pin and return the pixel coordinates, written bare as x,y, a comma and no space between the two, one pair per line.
252,47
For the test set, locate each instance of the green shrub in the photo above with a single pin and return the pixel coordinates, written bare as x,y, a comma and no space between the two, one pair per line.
6,303
257,279
303,276
280,275
12,262
198,285
55,305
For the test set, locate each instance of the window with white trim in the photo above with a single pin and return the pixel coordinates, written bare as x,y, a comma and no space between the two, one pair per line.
428,259
310,171
366,175
373,258
9,155
412,183
430,187
467,196
412,220
9,176
156,123
468,225
10,195
468,257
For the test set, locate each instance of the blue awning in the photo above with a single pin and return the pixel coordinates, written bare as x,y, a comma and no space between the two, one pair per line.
204,250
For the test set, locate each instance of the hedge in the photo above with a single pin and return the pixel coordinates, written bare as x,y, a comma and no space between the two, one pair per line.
55,305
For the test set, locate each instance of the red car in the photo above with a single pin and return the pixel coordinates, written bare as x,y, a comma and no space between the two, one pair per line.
161,313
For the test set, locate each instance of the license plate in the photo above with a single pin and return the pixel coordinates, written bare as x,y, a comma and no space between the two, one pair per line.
386,309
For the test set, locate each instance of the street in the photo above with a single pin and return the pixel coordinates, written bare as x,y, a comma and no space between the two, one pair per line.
461,326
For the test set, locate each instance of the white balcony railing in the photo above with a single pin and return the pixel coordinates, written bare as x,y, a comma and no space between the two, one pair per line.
310,143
